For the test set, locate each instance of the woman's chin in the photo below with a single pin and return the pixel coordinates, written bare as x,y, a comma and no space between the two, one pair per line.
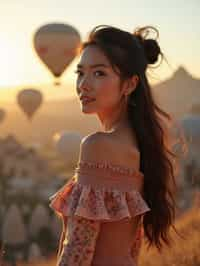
87,110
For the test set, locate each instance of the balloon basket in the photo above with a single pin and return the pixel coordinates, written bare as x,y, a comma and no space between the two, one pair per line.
57,83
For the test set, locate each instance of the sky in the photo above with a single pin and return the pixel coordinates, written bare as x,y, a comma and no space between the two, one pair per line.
177,21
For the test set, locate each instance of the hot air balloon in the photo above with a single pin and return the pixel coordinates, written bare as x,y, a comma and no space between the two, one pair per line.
57,45
68,145
2,114
29,100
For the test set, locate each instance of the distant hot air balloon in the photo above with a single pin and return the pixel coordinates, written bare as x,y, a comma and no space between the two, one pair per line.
57,44
68,145
29,100
2,114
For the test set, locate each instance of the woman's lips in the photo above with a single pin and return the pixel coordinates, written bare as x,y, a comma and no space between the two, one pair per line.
84,101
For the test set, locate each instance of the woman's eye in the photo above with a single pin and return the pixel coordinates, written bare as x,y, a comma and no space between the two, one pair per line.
78,72
99,73
96,73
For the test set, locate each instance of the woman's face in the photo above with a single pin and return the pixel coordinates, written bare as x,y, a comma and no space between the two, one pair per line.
97,79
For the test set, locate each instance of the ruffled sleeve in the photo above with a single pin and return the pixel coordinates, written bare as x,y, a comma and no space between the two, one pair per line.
101,191
98,192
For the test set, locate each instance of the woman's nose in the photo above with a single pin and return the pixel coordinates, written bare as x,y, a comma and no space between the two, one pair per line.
84,83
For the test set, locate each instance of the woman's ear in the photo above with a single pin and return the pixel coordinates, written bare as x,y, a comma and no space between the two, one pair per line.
130,85
133,83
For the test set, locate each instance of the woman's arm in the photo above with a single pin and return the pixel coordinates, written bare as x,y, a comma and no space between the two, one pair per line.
62,237
79,242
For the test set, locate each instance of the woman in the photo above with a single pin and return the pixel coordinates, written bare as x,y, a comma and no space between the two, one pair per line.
124,184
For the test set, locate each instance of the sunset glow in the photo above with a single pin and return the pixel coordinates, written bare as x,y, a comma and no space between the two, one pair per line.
21,66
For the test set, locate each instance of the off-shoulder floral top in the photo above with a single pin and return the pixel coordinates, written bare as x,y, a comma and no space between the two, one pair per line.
99,206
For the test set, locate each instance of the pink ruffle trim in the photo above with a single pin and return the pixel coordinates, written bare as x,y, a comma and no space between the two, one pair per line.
113,168
97,204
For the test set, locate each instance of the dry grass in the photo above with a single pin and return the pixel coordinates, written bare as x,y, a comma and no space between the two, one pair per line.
183,253
51,261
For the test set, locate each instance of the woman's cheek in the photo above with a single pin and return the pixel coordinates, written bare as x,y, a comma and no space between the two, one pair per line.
103,84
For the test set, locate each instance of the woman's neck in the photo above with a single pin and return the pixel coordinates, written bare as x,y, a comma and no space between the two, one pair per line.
114,123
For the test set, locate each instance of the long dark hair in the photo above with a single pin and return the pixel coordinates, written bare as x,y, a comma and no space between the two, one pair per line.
129,54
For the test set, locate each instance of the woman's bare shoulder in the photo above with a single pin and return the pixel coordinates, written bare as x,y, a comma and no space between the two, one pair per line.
95,137
110,147
93,147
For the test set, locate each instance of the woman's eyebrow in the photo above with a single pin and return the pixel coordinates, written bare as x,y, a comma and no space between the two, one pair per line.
93,66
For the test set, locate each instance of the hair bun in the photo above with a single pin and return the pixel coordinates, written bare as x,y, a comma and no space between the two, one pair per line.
152,50
151,47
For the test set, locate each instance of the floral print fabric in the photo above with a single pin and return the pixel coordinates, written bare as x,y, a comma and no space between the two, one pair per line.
79,243
98,204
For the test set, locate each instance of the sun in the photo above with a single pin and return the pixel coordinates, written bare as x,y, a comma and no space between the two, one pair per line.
11,58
